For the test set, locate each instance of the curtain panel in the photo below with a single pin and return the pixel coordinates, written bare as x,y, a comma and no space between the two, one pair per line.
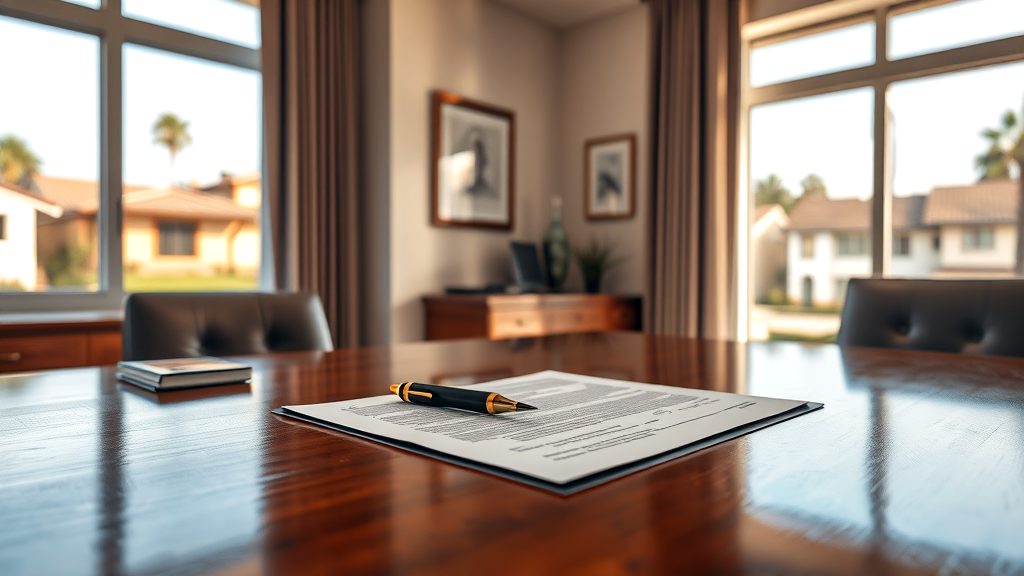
694,103
311,99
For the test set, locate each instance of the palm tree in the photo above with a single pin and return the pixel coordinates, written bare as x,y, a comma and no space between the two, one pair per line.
18,164
1004,158
1005,149
771,190
172,133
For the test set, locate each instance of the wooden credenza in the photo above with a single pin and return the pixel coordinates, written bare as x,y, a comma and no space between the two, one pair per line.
39,342
500,316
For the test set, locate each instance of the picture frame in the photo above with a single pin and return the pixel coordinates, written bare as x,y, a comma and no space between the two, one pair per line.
473,163
609,176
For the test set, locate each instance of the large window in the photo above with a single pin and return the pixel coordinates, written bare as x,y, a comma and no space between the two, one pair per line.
794,164
130,150
192,149
49,134
889,133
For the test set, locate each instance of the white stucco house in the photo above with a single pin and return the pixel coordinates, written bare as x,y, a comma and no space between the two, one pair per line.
952,232
18,258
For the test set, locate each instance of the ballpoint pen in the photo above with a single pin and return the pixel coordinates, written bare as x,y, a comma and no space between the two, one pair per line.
451,397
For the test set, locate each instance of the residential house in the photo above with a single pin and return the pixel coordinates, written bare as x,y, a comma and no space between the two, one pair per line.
978,225
955,231
19,268
166,231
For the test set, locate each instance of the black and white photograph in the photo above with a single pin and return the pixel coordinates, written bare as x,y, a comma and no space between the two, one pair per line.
610,167
473,163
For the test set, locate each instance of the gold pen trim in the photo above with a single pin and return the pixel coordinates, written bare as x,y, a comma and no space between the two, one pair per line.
405,390
490,402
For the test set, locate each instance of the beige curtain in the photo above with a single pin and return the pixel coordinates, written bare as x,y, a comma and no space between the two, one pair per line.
311,129
694,103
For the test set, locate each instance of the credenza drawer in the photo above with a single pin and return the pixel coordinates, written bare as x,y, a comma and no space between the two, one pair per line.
41,352
517,324
582,319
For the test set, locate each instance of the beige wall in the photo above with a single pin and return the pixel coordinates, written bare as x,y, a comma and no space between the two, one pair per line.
603,91
487,52
564,87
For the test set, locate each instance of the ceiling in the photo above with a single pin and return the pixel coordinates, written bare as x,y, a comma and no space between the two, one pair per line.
563,14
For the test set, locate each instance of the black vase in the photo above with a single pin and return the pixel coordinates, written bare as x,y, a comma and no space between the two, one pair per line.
592,284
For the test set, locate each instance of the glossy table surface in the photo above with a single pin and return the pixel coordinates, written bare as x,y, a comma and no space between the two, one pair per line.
915,465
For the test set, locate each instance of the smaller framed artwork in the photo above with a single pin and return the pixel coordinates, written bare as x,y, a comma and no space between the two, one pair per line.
609,165
473,163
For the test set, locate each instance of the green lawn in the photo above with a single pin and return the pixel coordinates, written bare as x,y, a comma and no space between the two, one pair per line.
799,309
787,337
137,283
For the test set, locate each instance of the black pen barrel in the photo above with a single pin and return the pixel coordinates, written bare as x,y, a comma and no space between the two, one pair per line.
445,396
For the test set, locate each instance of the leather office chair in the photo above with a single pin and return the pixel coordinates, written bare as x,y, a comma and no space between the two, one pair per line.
176,325
967,316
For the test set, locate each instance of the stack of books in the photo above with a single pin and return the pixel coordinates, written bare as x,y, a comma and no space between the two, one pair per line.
177,373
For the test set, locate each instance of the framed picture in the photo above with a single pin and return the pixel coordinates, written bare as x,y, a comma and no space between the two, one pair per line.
609,165
473,163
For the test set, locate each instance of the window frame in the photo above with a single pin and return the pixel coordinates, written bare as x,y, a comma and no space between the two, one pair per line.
971,236
900,239
807,246
177,227
114,30
878,76
851,244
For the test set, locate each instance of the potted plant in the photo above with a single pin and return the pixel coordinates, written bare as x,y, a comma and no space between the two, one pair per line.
595,260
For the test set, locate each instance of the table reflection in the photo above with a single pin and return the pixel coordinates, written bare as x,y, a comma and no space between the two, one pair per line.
904,415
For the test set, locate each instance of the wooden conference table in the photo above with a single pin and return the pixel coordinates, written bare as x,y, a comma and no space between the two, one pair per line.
915,465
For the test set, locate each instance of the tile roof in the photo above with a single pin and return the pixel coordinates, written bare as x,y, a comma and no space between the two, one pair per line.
989,202
853,214
179,203
82,197
38,202
72,193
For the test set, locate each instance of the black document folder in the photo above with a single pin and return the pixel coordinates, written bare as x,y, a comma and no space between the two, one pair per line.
575,485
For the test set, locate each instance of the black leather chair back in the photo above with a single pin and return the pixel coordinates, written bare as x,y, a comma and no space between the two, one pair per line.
179,325
967,316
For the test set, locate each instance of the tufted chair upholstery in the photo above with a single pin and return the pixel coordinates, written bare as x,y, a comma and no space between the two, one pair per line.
158,325
967,316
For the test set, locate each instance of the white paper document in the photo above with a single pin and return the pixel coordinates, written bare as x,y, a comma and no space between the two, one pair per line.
582,425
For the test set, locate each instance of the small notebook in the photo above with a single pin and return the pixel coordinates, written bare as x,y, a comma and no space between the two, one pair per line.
176,373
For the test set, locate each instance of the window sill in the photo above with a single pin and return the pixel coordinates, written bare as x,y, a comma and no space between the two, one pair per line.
46,322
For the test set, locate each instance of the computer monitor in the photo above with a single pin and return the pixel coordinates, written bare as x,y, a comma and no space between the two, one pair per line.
526,265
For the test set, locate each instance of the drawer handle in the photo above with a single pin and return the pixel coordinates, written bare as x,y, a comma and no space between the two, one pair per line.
10,357
519,321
